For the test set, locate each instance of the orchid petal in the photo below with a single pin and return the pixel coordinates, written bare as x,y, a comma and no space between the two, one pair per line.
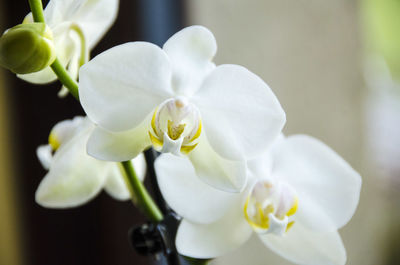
215,170
190,51
44,154
119,87
187,194
241,115
119,146
140,166
65,130
94,16
115,185
303,246
73,66
55,11
74,177
44,76
206,241
262,165
63,92
325,183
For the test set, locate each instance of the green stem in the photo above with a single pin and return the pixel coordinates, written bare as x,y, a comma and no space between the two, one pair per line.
65,78
37,10
139,194
62,74
194,261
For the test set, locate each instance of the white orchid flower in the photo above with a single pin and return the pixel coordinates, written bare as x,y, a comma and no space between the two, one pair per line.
77,26
178,101
300,193
74,177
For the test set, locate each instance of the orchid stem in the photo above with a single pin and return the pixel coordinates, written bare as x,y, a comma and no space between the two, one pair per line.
37,10
62,74
194,261
138,191
65,78
140,195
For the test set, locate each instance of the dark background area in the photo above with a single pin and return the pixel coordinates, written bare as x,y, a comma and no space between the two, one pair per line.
95,233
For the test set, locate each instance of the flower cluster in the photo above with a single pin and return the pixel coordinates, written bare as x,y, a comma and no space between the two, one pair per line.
225,166
176,100
75,177
298,194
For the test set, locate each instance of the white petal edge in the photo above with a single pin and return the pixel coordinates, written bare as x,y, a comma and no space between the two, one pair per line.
241,115
186,194
115,185
44,76
325,183
204,241
95,18
140,166
65,130
74,177
119,146
307,247
261,166
210,167
119,87
190,51
45,156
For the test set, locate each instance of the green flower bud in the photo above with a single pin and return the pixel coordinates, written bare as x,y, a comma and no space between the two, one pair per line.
27,48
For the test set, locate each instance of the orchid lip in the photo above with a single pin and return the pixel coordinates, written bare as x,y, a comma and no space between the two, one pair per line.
270,207
175,126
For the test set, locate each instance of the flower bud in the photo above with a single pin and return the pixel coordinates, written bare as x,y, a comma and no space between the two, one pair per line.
27,48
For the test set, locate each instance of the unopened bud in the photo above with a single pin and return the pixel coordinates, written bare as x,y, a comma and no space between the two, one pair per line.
27,48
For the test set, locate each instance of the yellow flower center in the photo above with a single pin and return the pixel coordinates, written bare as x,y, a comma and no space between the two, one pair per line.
270,207
179,122
53,141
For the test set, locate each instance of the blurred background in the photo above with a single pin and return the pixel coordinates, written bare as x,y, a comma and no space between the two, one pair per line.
334,65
